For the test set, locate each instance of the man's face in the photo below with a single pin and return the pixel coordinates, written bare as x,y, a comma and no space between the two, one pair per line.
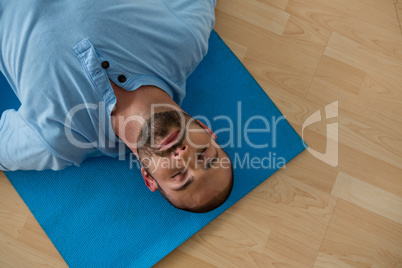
182,159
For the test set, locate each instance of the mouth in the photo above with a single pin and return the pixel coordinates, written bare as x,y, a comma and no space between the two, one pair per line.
170,140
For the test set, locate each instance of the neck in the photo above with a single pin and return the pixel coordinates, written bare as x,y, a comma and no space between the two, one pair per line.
133,107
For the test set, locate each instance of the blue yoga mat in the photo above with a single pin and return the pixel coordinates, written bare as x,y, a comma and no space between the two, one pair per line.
102,215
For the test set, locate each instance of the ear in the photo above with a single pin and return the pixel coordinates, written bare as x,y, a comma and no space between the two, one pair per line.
149,181
208,130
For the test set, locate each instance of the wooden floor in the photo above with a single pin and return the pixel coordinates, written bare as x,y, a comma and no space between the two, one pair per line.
306,54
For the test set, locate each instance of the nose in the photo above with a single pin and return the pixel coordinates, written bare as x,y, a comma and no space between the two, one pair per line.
181,151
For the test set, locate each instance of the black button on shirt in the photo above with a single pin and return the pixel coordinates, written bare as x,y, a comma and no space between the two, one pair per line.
105,64
122,78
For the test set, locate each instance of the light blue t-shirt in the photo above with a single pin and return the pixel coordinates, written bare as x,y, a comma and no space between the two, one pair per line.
58,57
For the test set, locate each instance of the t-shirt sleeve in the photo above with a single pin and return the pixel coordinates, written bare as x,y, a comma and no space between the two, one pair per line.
22,149
198,16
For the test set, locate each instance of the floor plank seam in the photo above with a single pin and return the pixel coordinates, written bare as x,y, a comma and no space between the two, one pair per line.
25,223
325,233
396,2
397,263
316,69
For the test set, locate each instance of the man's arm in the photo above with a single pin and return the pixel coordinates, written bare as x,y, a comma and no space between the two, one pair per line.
22,149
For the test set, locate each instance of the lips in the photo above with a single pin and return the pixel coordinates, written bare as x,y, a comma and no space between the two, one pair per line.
169,140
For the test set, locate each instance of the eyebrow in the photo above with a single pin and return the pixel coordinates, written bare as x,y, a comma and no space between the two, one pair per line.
186,184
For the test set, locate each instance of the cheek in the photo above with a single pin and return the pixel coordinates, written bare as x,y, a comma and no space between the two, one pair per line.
198,139
161,165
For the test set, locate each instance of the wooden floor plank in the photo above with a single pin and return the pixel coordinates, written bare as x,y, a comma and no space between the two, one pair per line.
32,235
14,253
398,9
359,56
13,211
239,50
370,169
370,23
359,238
368,196
280,4
256,13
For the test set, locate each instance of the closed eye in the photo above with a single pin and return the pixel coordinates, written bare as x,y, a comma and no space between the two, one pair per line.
202,153
209,165
213,160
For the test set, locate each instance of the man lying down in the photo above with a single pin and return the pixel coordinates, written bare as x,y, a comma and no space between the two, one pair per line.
96,77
